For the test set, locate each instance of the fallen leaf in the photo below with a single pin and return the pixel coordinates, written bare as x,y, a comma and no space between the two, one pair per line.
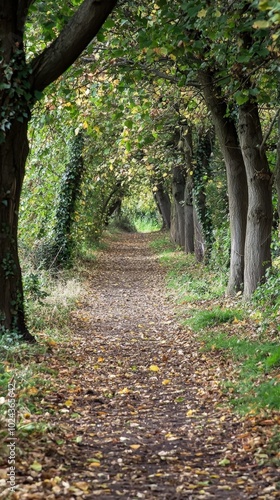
135,446
166,381
154,368
36,466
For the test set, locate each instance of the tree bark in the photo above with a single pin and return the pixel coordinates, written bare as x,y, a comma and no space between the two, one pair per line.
199,242
259,221
13,154
189,219
203,222
236,179
178,217
277,170
73,39
163,203
188,194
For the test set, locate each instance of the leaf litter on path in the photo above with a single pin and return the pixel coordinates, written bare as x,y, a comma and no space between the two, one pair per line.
136,410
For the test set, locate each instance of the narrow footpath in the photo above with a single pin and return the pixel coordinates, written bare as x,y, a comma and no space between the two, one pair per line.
139,412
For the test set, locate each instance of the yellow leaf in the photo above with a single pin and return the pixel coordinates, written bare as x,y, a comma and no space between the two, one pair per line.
100,360
135,446
125,390
51,342
166,381
154,368
94,463
236,320
85,125
68,402
190,413
82,485
168,435
32,390
261,24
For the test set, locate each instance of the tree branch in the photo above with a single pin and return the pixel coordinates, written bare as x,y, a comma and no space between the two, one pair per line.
73,39
269,130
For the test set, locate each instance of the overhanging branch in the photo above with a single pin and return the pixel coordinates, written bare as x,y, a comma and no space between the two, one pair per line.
73,39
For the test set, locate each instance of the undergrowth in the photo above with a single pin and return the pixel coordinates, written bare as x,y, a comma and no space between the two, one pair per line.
48,302
247,336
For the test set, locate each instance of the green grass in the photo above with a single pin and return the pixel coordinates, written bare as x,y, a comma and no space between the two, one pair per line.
48,319
201,320
253,379
186,277
253,383
146,224
162,244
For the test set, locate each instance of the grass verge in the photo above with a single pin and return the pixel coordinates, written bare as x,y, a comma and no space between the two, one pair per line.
226,328
49,303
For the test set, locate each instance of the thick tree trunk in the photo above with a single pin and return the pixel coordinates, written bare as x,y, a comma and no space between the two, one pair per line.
19,85
259,221
277,170
178,216
13,154
236,179
163,203
14,103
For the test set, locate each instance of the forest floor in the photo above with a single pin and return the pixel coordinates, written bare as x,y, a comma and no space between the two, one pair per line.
135,409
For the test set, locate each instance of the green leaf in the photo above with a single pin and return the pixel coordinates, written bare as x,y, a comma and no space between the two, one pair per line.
241,98
36,466
224,461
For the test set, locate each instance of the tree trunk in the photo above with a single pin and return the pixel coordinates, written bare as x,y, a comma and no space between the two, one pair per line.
188,194
14,103
277,170
178,219
236,179
199,242
19,84
189,220
13,154
259,221
163,203
70,190
204,230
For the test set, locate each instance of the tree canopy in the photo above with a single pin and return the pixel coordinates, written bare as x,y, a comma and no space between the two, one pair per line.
146,92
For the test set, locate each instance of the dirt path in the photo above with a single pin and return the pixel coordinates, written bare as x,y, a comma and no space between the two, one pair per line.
137,411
